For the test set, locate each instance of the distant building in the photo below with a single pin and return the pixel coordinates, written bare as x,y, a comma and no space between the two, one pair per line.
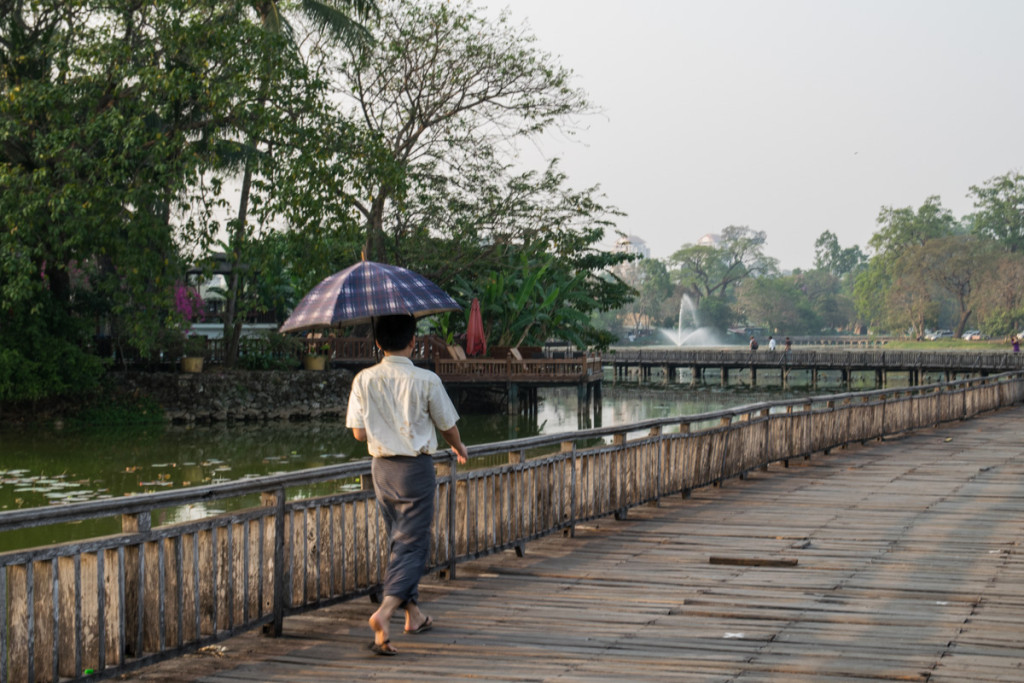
710,240
629,271
632,245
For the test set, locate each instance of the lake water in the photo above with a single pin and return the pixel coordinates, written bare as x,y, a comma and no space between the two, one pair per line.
57,466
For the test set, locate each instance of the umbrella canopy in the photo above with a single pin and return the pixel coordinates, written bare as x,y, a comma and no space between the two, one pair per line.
365,291
476,340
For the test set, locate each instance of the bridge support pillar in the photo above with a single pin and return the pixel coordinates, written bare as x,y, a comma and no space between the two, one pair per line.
725,377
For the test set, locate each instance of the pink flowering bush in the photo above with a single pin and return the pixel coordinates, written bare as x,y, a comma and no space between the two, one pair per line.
188,303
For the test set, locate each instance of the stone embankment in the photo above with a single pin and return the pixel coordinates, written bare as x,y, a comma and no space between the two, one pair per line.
224,396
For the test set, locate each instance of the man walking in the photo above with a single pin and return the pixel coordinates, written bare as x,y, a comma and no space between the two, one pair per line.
394,407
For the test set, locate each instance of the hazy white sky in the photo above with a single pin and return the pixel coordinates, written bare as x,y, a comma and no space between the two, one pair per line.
788,116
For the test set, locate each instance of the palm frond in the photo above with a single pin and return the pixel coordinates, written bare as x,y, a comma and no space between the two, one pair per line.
343,18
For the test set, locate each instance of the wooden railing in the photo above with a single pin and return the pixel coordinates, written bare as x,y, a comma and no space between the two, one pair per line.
555,370
106,605
825,359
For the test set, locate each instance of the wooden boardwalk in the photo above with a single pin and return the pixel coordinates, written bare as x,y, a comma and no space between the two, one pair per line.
899,560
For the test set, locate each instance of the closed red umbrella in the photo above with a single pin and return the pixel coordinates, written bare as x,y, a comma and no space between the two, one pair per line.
476,340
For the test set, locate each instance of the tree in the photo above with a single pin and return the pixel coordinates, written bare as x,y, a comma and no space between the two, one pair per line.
831,257
1000,201
825,294
955,264
654,301
705,271
1000,297
451,94
443,87
904,228
901,230
912,301
336,19
108,113
776,303
461,239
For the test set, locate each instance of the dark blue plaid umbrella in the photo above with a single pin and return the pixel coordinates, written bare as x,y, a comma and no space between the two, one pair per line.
365,291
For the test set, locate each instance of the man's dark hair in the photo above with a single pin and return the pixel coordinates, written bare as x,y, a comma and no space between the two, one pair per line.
394,332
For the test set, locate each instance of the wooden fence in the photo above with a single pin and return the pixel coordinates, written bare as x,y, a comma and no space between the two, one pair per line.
586,368
830,359
101,606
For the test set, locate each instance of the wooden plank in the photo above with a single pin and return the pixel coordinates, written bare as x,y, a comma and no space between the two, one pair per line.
753,561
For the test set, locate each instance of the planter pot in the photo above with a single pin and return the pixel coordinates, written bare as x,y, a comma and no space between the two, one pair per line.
192,364
314,362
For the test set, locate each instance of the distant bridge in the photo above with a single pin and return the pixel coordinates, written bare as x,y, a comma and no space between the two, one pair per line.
642,363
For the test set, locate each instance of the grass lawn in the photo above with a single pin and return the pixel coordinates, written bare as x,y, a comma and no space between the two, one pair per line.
949,344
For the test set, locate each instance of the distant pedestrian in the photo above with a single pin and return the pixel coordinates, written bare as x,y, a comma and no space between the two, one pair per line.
789,344
753,343
1016,343
771,343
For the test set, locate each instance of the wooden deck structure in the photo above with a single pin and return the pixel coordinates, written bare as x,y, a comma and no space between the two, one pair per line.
112,604
920,367
519,379
896,561
514,379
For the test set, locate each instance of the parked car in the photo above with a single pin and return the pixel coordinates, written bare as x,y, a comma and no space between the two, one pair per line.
938,334
973,335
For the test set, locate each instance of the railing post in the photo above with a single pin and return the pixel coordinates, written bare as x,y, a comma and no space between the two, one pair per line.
725,422
570,447
139,523
276,499
614,478
448,470
656,432
765,413
684,428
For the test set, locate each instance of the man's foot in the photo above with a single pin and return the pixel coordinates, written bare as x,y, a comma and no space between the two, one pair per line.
383,649
424,626
381,637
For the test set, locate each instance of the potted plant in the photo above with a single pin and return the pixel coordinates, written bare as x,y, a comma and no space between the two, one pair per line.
194,350
316,356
